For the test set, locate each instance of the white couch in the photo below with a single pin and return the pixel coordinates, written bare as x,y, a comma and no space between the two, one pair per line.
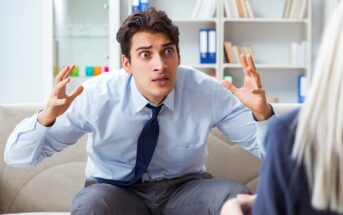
50,186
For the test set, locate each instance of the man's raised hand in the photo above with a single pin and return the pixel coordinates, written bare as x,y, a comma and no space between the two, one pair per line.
59,101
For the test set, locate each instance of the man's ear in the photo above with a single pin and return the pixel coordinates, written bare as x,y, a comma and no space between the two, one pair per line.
179,57
126,64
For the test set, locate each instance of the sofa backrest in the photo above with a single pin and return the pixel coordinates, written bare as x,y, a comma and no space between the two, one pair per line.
52,184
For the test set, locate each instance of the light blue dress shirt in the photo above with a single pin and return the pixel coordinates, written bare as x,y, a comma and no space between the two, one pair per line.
112,112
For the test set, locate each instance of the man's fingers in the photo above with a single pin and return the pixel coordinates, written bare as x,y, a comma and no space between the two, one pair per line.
228,85
251,62
64,73
252,73
243,61
76,92
60,87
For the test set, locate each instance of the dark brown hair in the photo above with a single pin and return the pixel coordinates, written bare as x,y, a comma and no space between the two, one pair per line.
150,20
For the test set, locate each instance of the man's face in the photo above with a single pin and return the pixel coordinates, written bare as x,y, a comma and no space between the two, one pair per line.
154,62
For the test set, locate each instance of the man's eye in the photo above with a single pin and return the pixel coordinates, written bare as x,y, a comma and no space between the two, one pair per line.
169,51
144,54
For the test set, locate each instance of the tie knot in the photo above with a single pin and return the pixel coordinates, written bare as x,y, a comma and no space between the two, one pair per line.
155,110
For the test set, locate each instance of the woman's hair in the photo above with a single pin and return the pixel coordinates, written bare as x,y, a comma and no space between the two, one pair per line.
150,20
319,137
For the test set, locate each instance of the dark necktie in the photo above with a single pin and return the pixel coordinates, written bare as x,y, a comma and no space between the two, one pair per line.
145,149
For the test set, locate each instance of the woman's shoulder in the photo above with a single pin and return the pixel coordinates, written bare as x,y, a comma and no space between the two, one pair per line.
281,132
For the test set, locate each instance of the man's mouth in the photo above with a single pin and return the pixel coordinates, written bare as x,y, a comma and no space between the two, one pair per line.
161,81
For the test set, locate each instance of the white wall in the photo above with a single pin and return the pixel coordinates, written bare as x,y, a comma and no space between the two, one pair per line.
21,51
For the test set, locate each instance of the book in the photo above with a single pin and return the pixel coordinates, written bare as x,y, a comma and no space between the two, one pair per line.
233,8
207,9
245,11
236,53
227,8
249,9
196,9
228,51
303,8
295,9
240,8
287,8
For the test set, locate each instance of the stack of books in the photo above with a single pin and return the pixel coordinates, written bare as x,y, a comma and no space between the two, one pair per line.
238,9
298,53
295,9
204,9
233,52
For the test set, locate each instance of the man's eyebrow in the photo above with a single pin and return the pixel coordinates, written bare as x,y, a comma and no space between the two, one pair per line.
168,44
149,47
143,47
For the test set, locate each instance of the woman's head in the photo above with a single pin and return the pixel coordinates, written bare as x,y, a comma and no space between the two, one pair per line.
319,139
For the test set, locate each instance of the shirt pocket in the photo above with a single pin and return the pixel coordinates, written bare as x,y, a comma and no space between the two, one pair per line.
185,158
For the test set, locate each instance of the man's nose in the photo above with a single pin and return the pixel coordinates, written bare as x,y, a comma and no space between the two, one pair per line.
159,63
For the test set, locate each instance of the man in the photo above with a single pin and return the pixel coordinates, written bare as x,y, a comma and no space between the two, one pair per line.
147,127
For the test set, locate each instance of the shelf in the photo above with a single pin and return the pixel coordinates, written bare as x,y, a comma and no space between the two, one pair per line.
265,66
80,36
191,21
202,66
266,20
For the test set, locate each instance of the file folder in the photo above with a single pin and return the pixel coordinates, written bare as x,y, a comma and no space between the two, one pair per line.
135,6
143,5
212,46
302,88
203,45
207,46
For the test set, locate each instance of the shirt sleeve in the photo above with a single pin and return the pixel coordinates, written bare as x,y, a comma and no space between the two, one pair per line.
30,141
237,122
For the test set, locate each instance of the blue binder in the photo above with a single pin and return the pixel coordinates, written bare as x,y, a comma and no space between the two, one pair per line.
302,88
212,46
143,5
203,45
135,6
207,46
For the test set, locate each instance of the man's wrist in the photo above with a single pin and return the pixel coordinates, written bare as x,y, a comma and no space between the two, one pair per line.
44,120
265,115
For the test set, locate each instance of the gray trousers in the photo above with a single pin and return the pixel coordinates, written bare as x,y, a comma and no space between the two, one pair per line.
191,194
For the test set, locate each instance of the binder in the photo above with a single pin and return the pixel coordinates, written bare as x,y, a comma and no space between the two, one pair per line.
134,6
207,46
212,52
302,88
203,45
143,5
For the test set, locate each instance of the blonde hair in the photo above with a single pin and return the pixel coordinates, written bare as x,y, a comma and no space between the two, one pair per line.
319,137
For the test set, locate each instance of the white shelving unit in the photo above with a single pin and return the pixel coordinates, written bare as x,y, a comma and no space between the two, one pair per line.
269,35
78,32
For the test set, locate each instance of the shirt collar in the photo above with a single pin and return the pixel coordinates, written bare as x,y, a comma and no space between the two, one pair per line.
139,101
